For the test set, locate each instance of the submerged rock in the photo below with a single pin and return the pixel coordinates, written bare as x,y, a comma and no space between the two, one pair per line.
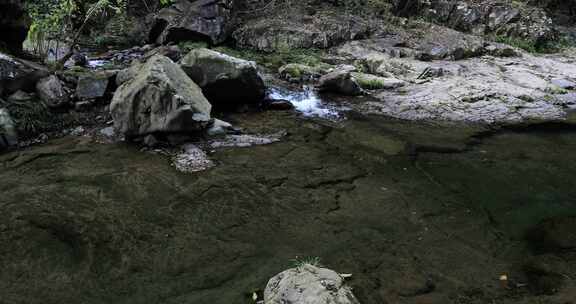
192,159
546,274
8,136
159,99
554,235
308,284
225,80
245,140
51,91
207,20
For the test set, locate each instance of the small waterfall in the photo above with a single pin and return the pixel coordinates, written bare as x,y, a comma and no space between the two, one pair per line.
306,101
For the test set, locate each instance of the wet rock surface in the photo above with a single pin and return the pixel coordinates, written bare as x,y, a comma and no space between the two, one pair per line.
485,88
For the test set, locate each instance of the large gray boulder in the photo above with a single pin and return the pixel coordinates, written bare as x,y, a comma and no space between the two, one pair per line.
184,20
340,82
160,99
225,80
14,24
128,73
308,284
17,74
281,33
503,18
8,136
51,92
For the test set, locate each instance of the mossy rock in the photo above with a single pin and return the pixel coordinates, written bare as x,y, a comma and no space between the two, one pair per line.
32,117
373,82
295,72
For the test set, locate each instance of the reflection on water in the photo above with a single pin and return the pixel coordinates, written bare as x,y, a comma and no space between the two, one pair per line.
307,102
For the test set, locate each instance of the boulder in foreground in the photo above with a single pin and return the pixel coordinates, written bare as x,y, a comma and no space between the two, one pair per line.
159,99
308,284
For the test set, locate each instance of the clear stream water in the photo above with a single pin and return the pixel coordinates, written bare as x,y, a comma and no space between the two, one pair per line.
415,211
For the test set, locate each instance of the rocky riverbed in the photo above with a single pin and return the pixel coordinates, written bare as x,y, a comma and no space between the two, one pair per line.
197,152
417,212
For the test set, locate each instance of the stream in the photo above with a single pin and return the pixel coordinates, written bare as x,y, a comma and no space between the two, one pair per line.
308,102
412,210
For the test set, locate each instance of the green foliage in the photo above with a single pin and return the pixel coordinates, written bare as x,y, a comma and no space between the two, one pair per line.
369,82
532,46
555,90
102,41
60,20
299,262
164,3
102,6
31,117
50,18
561,44
296,70
527,45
